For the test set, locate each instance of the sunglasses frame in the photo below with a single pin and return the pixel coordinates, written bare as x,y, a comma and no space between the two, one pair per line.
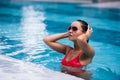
74,28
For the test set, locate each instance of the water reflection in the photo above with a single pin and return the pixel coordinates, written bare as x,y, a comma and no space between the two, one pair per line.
105,72
33,29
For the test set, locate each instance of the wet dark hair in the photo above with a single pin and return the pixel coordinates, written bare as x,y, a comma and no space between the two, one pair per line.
84,26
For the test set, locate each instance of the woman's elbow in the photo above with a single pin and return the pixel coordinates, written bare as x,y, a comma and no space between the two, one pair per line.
45,40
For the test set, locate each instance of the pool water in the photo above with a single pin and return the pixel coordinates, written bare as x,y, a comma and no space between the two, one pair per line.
24,25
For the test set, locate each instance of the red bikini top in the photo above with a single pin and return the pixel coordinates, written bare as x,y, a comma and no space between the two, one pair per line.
72,63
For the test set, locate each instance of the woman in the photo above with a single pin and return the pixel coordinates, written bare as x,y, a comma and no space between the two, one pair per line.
80,55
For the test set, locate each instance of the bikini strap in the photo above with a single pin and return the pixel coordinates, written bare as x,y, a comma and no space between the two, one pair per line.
68,51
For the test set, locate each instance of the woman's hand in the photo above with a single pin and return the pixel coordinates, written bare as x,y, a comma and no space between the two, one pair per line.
66,34
84,37
89,31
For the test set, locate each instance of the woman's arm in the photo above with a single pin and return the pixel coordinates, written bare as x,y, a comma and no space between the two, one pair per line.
88,50
51,42
82,42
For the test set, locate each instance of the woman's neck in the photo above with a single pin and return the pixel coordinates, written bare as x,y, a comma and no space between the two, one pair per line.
76,46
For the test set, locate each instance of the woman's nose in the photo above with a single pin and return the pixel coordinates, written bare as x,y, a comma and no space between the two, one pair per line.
70,30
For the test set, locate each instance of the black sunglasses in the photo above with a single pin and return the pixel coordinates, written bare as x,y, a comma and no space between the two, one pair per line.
73,28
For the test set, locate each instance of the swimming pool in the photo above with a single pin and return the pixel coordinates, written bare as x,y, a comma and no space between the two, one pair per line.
23,26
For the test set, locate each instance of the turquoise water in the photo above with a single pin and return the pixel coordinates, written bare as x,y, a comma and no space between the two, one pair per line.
24,25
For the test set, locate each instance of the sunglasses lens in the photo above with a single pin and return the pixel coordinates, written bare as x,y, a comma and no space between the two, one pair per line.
74,28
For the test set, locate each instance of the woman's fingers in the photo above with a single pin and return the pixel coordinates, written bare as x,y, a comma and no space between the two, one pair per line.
89,28
89,31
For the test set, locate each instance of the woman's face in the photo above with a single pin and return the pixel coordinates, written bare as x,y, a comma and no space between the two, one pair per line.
75,30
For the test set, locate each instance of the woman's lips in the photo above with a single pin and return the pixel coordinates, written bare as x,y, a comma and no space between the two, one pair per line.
70,34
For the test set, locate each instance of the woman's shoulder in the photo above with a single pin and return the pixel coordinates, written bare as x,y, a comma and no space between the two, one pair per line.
68,48
92,50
